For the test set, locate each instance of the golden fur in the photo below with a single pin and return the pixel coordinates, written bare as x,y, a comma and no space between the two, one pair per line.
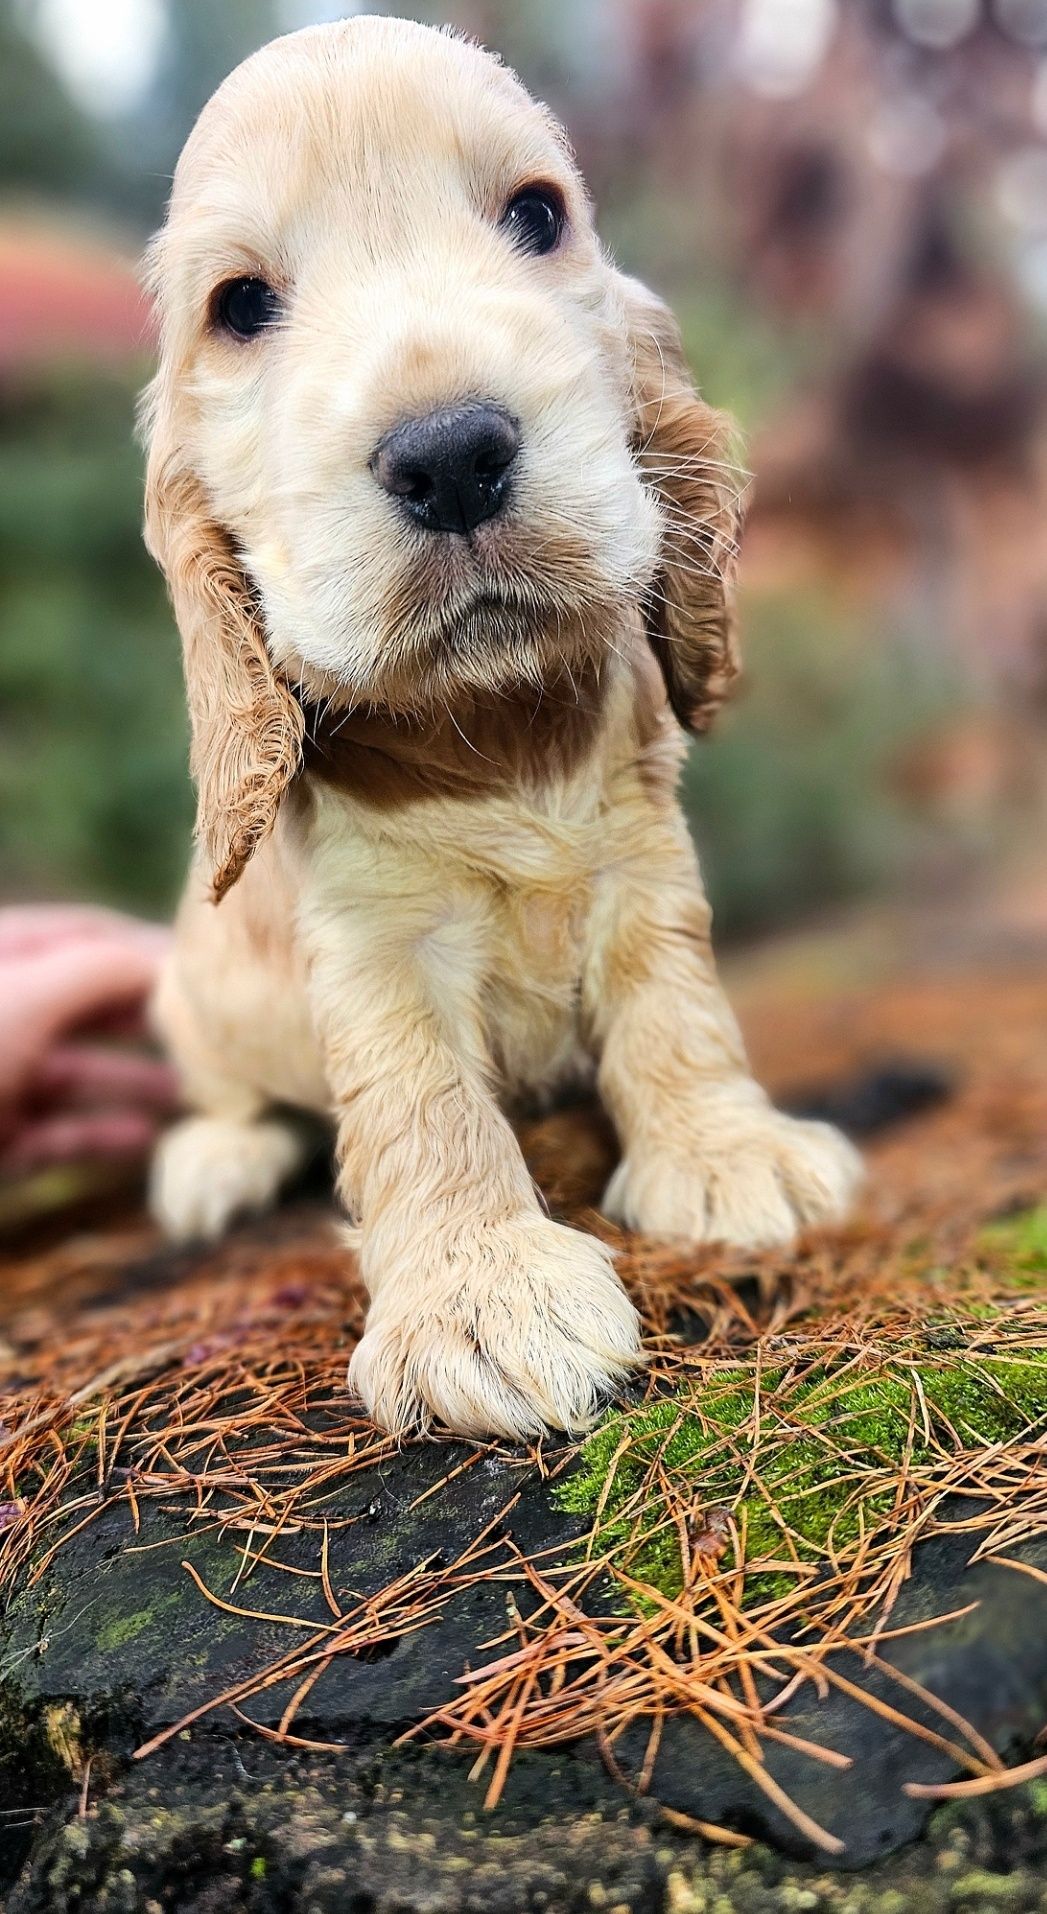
440,771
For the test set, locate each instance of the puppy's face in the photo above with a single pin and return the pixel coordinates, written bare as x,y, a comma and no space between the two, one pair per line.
406,386
412,436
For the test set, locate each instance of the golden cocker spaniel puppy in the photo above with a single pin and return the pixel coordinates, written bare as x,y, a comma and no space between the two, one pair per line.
450,538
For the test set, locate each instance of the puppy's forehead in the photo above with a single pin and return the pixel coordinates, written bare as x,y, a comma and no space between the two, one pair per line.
369,106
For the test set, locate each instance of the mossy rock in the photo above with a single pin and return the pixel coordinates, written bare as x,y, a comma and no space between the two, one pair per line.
113,1646
114,1643
835,1443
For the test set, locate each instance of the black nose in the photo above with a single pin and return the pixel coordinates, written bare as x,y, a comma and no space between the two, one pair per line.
450,470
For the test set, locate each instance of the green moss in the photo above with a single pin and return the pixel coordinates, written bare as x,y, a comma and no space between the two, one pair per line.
1019,1243
122,1629
984,1889
805,1468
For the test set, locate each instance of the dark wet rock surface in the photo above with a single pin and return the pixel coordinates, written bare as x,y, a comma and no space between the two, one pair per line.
114,1643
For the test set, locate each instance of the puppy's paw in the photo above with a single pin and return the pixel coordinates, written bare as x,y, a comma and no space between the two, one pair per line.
505,1330
752,1178
208,1170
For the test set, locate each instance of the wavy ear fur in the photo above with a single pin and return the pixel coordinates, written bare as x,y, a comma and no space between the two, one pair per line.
684,448
247,725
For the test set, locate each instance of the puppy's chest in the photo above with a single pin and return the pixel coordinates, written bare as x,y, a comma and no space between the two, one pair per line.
538,908
505,890
538,939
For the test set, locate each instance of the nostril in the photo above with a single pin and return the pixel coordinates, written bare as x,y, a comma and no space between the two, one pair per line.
497,445
450,469
489,464
396,474
408,481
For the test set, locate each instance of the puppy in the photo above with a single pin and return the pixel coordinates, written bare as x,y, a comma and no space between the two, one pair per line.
450,539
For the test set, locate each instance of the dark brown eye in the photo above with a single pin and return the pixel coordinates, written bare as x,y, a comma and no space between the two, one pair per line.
245,307
535,219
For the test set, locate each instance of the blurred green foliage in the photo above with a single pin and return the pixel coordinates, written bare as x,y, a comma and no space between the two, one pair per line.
93,791
793,798
45,143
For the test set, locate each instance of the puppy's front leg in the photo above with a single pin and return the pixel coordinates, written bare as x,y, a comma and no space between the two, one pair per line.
705,1156
485,1315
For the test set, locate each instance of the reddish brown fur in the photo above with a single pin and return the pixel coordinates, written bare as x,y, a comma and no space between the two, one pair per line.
529,737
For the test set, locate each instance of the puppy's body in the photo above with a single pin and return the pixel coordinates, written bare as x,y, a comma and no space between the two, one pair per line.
433,717
495,872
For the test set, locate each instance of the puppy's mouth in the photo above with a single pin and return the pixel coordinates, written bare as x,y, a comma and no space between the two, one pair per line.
495,615
488,618
491,613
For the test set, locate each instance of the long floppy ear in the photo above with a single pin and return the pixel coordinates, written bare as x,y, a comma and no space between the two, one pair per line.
684,448
247,725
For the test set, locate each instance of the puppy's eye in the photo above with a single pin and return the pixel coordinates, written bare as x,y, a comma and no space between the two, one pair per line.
245,307
535,219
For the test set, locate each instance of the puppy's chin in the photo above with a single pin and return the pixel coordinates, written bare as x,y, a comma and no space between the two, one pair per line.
442,656
497,646
487,637
510,616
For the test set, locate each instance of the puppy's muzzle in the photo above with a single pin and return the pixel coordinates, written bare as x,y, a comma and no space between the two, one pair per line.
451,470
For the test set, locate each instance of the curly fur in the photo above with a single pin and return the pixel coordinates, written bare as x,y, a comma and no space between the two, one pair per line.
247,725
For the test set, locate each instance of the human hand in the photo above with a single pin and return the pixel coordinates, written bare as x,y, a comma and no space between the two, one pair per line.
69,975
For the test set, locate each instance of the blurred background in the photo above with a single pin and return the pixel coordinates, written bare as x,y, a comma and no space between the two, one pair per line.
845,200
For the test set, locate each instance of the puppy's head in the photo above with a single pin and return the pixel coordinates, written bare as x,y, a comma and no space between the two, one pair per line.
412,436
